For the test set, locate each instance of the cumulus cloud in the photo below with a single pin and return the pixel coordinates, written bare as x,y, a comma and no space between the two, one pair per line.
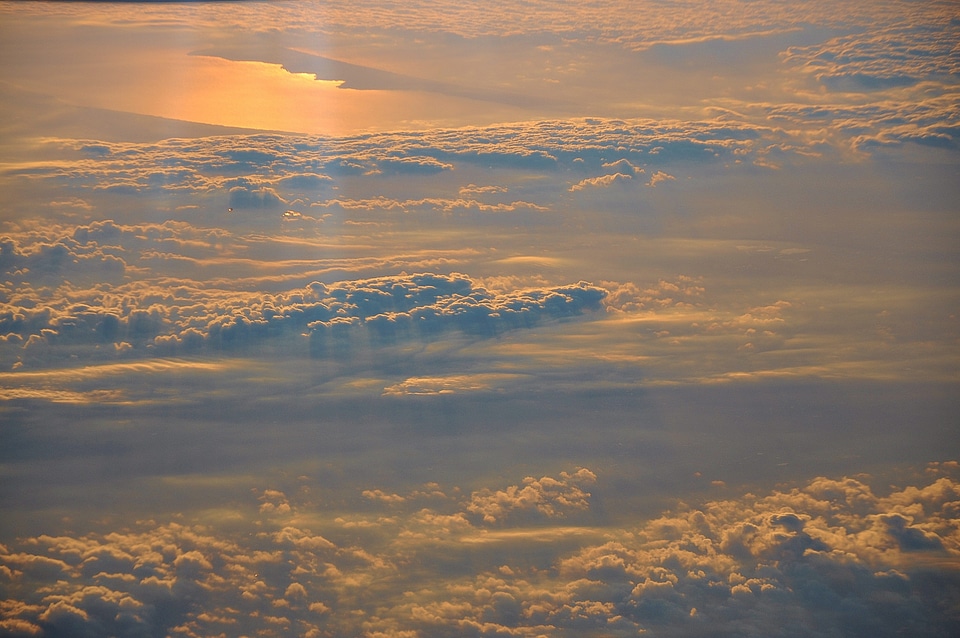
60,257
429,304
546,497
257,251
259,171
889,56
155,315
602,181
925,118
826,556
610,20
623,166
659,177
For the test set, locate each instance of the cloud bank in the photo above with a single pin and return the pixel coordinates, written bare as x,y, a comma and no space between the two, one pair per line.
822,558
455,369
187,316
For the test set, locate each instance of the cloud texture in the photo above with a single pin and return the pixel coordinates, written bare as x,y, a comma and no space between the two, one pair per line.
163,316
577,318
826,557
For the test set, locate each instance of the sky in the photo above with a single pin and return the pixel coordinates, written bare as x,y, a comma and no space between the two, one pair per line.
427,318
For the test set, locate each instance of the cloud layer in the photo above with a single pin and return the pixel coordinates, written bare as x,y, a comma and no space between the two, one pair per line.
589,318
156,315
826,557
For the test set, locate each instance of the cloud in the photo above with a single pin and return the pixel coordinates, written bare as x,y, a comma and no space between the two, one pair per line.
305,181
60,258
446,206
254,197
188,290
413,166
473,189
606,22
923,118
891,55
428,304
169,316
821,557
623,166
547,497
262,171
603,181
659,177
381,287
454,384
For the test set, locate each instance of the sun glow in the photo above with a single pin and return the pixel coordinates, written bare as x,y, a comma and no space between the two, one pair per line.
264,96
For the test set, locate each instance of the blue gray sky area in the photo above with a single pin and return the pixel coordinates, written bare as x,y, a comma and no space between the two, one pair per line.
422,319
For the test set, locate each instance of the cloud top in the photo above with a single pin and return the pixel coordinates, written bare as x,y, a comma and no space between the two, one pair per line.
186,316
824,557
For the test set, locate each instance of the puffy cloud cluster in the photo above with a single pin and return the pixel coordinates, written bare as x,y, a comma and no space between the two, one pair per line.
829,557
920,48
110,292
428,304
179,289
923,119
250,180
76,291
683,291
631,24
265,169
659,177
583,144
61,255
825,557
164,578
547,497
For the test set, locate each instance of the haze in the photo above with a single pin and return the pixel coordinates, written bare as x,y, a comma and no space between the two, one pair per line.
480,318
